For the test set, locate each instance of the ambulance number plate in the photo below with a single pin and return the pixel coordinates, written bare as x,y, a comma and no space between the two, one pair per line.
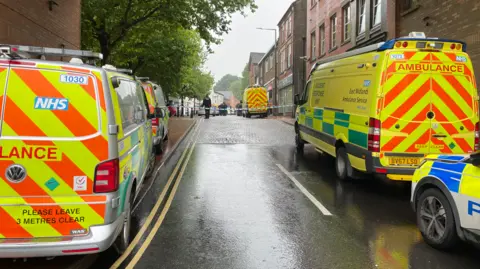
403,161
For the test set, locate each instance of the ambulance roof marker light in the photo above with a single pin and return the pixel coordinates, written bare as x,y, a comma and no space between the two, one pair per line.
417,35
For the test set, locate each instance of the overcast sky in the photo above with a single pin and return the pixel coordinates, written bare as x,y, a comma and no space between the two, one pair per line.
232,54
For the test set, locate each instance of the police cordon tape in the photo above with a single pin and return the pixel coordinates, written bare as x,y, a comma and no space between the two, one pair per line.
233,109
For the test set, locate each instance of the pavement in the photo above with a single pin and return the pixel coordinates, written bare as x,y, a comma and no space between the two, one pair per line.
244,198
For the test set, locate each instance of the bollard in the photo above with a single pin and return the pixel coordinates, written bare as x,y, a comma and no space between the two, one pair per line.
191,113
178,111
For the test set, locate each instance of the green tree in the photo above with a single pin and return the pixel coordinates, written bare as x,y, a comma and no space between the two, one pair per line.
107,23
245,76
224,83
236,89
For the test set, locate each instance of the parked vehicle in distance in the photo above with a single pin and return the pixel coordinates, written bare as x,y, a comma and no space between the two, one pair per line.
255,102
158,108
79,146
446,199
382,108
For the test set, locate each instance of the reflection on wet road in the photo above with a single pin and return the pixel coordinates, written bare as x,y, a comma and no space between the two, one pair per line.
235,208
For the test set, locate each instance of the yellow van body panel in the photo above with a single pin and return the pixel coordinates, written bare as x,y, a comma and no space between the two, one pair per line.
424,102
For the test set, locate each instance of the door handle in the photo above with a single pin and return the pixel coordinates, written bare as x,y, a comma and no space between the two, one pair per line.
440,135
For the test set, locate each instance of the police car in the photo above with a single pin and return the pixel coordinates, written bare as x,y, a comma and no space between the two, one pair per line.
446,199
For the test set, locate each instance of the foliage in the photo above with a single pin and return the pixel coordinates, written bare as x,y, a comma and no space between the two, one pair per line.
107,23
224,83
236,89
245,77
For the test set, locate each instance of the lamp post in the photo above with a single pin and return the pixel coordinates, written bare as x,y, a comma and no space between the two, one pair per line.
275,51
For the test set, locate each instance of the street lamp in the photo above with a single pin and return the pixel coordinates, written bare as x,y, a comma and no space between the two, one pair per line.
275,51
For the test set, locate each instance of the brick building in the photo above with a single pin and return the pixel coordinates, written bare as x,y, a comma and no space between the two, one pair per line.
336,26
40,23
254,71
453,19
267,72
290,53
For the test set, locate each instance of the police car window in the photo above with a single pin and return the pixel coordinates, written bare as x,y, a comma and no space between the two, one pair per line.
126,99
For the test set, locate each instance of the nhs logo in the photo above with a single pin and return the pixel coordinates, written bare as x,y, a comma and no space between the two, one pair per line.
51,103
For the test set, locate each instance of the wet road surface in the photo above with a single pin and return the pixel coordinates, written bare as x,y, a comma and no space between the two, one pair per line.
234,207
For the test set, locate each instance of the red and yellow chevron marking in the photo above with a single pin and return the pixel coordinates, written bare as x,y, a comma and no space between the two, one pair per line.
150,96
81,147
257,99
411,92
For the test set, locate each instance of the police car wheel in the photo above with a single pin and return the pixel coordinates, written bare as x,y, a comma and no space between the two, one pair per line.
436,220
123,239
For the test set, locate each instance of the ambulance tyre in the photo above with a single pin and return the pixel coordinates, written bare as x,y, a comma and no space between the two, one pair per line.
342,164
159,147
443,235
123,239
299,143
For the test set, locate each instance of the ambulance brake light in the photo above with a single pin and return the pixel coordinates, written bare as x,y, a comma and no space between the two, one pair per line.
477,136
106,176
374,135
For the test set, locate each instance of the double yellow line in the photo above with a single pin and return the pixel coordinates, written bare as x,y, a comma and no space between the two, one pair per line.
189,149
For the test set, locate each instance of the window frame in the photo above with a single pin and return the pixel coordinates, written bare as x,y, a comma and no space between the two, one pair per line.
321,31
379,10
361,18
347,23
333,31
313,45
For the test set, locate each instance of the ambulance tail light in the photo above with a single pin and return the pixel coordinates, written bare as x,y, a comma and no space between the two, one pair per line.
107,176
477,136
374,135
155,121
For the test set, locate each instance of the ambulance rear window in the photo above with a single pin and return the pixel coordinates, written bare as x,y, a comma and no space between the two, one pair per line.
50,103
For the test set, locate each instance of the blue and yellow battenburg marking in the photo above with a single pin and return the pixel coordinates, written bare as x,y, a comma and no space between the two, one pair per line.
458,175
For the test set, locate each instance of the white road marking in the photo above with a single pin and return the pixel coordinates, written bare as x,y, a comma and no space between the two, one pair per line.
319,205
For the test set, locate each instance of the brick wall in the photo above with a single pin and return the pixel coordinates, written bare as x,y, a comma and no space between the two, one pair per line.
319,15
30,22
453,19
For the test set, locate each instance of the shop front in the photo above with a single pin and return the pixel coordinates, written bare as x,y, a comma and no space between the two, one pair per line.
285,96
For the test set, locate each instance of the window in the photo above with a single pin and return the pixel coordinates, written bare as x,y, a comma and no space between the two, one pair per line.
377,6
361,16
407,4
140,103
313,43
266,64
322,40
271,61
346,23
126,102
289,28
333,31
289,56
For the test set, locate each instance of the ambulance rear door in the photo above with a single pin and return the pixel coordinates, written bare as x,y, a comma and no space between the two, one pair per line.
51,143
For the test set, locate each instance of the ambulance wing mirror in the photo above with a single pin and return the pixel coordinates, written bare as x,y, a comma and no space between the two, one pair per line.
296,101
159,113
115,82
475,159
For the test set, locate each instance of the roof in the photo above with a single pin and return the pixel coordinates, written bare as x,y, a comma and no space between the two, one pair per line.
270,51
218,92
255,57
226,94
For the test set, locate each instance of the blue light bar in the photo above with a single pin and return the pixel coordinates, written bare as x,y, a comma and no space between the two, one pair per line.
391,43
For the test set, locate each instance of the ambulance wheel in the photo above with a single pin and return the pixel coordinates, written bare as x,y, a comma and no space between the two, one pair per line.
159,147
123,239
342,164
436,220
299,143
248,115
